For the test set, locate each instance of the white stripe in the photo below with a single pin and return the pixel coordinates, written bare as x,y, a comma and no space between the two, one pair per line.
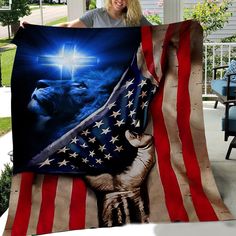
14,196
62,204
91,219
36,204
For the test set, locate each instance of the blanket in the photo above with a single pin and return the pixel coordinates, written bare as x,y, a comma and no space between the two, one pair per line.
108,129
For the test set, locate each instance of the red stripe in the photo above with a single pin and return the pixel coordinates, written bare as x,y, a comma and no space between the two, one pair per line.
201,203
147,49
23,210
173,197
165,47
46,215
78,205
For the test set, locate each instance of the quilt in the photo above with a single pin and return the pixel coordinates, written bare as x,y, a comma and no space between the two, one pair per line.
108,129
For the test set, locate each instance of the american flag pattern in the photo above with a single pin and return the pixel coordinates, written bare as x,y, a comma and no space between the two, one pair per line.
181,186
99,144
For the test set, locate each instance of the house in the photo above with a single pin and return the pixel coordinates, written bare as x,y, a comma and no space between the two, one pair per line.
227,31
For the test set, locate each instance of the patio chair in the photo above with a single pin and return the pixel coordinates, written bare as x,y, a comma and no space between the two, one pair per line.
225,89
229,124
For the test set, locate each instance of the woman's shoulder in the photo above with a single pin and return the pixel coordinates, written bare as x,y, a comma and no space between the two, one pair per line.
97,11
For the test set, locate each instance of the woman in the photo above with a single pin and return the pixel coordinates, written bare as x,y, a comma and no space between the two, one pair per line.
116,13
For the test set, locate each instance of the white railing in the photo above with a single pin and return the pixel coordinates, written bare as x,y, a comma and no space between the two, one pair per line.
215,54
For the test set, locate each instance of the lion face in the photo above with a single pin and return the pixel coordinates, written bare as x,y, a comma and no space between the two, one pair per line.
59,105
59,98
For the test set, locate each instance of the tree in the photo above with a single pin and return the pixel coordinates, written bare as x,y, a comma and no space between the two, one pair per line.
19,8
212,14
4,3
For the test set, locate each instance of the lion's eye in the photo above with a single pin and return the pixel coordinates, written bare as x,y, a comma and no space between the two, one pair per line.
42,84
81,85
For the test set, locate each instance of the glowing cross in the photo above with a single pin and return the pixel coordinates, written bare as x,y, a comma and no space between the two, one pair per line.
67,60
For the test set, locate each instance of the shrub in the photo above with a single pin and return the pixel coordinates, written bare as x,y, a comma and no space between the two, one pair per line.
5,186
92,4
212,14
153,17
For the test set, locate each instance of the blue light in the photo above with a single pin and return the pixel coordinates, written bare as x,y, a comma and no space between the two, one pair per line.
68,60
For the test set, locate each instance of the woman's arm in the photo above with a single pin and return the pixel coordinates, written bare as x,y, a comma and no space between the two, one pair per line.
85,21
73,24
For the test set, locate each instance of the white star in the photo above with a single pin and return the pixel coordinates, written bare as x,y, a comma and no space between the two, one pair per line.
85,132
111,105
85,160
105,131
144,104
102,148
132,113
137,124
143,82
130,103
63,163
84,145
108,156
73,167
114,139
99,161
128,83
46,162
154,90
64,149
144,94
92,140
74,140
119,148
129,93
74,155
134,122
91,153
119,122
98,124
115,114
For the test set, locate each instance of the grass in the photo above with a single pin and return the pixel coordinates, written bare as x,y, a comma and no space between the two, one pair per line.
36,6
4,42
5,125
55,22
7,59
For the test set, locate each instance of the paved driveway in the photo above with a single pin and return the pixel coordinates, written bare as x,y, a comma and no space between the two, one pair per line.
50,13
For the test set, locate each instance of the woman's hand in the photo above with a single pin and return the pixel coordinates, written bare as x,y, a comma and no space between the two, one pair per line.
24,24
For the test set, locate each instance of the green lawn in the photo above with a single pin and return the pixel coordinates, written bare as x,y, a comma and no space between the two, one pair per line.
5,125
61,20
7,60
4,42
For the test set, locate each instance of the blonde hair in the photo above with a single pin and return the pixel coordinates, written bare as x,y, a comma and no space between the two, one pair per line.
132,16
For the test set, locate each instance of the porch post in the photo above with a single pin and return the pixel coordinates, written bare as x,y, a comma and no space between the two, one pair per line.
173,11
75,9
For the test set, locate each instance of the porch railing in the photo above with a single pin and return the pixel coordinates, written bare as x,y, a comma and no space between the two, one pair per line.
215,54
